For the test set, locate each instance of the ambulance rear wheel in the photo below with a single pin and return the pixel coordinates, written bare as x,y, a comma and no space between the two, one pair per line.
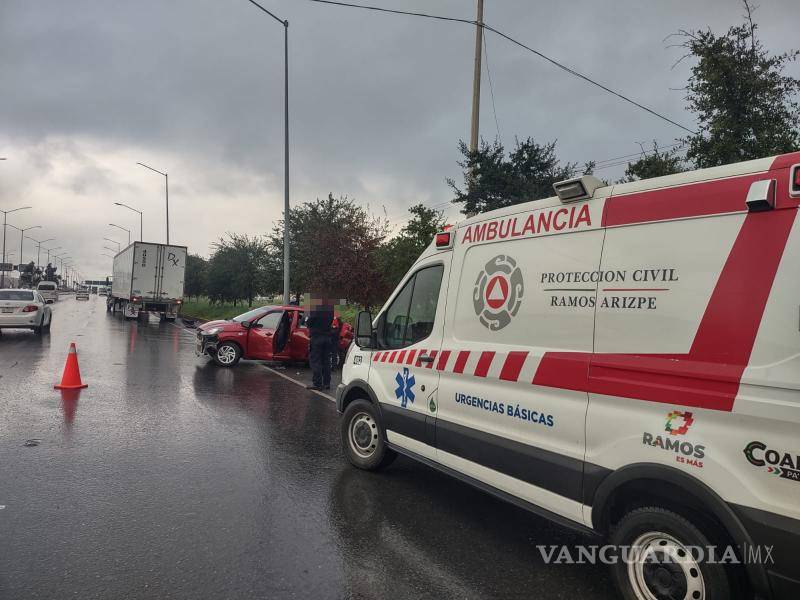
362,437
668,559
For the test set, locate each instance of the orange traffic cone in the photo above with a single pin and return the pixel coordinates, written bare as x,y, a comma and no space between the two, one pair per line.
71,379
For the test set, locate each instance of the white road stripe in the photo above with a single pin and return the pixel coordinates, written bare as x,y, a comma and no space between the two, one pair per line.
300,383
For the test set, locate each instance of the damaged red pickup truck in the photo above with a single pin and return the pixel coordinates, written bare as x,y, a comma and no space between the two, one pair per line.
274,333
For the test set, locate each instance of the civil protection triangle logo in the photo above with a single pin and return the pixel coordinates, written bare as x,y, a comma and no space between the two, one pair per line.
405,384
498,292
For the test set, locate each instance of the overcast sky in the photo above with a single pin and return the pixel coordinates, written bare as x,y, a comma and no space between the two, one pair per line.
378,103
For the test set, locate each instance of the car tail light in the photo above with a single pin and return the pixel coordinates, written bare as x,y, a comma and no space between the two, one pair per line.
30,308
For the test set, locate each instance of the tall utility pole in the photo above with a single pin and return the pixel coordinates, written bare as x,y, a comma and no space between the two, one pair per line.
286,162
476,80
285,24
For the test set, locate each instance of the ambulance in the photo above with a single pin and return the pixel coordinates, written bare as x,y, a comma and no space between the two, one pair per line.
622,359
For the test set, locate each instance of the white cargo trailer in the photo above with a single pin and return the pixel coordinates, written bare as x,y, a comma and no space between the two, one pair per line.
148,278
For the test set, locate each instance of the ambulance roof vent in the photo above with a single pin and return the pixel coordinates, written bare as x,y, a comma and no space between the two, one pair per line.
576,189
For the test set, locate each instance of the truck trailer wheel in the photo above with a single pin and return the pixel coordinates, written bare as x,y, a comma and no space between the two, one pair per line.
665,559
227,354
362,437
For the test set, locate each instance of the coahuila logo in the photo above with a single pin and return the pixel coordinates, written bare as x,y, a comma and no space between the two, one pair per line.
498,292
780,463
686,452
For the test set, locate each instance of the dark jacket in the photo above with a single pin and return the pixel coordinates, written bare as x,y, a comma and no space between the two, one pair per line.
320,320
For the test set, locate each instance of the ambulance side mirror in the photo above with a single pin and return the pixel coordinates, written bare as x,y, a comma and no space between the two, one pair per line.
365,336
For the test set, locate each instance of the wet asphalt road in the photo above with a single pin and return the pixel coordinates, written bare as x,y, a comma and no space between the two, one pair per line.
171,478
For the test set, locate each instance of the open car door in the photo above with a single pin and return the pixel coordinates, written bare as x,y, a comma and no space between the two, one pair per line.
281,338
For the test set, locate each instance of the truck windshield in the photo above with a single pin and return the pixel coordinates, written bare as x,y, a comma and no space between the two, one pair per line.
251,314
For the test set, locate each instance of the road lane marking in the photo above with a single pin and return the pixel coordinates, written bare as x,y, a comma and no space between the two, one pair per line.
300,383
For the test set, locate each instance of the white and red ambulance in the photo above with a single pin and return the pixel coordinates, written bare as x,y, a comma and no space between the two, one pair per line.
622,359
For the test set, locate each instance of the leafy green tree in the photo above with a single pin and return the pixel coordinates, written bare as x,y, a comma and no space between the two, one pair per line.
238,268
746,106
492,180
334,246
653,164
399,253
196,278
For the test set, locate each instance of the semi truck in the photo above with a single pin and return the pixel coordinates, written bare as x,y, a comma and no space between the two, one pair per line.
148,277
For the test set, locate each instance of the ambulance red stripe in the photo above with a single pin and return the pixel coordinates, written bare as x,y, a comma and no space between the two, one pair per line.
513,365
410,359
461,361
443,358
484,363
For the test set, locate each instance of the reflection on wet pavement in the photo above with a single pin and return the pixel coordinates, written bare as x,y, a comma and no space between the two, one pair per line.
171,477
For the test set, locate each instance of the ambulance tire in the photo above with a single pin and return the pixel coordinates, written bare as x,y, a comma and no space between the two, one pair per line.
363,438
665,532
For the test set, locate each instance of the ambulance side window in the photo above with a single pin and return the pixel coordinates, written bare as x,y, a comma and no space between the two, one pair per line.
410,317
394,325
422,312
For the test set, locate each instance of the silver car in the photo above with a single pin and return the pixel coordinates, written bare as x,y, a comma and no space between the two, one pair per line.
24,309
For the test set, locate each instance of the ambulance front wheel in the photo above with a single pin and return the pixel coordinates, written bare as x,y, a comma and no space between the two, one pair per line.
668,557
362,437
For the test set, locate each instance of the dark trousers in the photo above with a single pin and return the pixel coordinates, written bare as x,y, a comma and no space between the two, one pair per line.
320,358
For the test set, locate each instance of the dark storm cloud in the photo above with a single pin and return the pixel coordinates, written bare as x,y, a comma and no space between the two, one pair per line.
378,102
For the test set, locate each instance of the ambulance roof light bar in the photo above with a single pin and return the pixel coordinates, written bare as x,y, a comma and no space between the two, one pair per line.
580,188
444,239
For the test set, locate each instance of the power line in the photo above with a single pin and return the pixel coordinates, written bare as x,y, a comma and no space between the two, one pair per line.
507,37
395,11
491,88
279,20
635,154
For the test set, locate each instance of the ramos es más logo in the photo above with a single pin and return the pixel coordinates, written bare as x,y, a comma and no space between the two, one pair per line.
686,452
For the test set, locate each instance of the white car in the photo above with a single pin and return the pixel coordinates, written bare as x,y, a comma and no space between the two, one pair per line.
82,294
48,290
24,309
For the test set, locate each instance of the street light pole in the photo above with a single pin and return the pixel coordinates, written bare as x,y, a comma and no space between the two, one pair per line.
123,229
39,249
48,252
5,222
166,183
285,149
141,239
22,236
113,242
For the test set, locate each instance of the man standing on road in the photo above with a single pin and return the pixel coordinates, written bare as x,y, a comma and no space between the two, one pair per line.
319,326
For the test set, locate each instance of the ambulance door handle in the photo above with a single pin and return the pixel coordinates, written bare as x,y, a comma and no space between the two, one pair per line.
424,358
